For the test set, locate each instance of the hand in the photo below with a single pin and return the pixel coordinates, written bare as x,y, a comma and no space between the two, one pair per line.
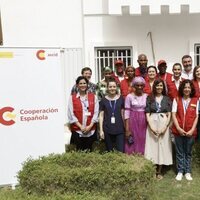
87,129
189,133
82,128
162,132
154,132
101,134
181,131
128,133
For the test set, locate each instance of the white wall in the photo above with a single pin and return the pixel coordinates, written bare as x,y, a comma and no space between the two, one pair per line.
47,23
172,35
42,23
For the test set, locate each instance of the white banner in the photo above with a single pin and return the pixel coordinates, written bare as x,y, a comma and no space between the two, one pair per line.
31,107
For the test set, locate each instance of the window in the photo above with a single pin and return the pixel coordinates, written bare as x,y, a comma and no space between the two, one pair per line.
106,56
197,54
1,32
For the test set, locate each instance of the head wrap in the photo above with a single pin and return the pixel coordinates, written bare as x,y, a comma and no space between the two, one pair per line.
138,79
107,69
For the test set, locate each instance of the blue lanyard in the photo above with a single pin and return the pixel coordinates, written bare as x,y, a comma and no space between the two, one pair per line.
158,107
185,104
113,107
85,104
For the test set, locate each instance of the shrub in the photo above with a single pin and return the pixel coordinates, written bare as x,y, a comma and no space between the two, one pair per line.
111,175
196,155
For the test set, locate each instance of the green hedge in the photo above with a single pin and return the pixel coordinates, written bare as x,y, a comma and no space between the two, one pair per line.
196,155
109,175
19,194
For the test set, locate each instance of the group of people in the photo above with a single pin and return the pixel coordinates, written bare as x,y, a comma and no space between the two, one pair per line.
137,110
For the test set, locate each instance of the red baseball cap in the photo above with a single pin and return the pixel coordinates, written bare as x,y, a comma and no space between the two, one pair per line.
161,62
117,62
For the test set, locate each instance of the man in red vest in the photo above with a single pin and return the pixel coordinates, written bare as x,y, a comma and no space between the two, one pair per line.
174,81
119,71
162,67
142,69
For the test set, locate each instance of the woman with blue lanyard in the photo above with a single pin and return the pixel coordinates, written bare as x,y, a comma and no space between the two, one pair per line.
111,118
185,118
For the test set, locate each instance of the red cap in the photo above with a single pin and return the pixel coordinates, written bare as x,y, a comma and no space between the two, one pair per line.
161,62
117,62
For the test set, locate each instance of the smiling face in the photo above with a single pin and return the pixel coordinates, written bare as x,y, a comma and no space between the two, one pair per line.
159,88
177,71
107,74
112,88
82,86
138,88
151,73
142,61
119,68
87,74
197,73
130,72
187,64
162,68
187,90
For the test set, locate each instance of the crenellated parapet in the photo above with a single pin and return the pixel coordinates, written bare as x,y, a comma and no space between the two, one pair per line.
138,7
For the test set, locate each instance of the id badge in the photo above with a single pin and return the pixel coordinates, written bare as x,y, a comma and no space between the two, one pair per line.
112,120
155,117
88,114
134,102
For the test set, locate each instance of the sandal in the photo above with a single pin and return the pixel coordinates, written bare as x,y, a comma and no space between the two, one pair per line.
159,176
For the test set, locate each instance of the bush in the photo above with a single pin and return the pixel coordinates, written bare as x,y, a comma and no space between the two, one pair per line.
196,155
110,175
19,194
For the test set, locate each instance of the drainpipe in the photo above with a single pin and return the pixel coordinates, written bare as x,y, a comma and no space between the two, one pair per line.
152,47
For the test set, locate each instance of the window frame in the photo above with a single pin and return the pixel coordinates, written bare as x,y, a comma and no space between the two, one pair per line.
118,54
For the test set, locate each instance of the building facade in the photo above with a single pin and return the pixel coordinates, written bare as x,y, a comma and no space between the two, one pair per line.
95,32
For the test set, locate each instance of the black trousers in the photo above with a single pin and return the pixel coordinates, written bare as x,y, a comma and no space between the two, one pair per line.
114,141
82,143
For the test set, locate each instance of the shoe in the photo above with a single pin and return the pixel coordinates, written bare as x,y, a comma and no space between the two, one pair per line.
179,176
159,176
188,177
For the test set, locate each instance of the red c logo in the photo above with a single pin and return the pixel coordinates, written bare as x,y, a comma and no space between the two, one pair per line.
2,120
40,54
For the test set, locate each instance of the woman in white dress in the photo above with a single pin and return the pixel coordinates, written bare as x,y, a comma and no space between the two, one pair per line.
158,147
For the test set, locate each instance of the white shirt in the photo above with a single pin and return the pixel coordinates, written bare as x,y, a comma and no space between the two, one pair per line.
177,83
72,118
186,75
185,105
121,78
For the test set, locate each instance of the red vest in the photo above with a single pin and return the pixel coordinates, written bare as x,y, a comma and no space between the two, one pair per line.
78,110
125,88
186,120
117,78
138,73
197,89
171,88
165,77
147,88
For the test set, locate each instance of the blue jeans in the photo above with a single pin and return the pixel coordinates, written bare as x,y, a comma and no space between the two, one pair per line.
184,153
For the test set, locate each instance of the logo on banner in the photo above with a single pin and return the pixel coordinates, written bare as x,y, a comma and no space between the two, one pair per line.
42,54
7,116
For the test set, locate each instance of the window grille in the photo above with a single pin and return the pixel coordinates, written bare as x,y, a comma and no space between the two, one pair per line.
106,56
197,54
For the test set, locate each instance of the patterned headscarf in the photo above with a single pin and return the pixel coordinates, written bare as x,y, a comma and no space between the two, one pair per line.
138,79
